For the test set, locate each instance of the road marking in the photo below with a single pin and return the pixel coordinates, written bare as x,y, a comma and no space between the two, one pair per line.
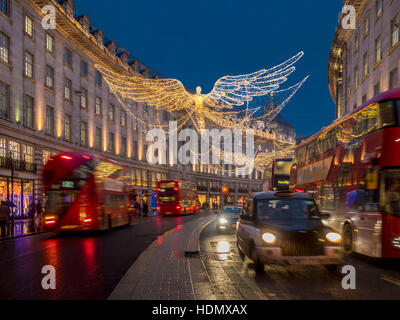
390,279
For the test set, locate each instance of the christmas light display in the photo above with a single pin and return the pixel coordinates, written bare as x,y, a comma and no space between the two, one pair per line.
233,102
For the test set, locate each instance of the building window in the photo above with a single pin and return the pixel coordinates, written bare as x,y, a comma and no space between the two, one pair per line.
28,65
67,127
5,7
378,49
84,68
165,115
49,77
50,121
28,26
4,101
84,98
378,8
356,43
84,133
365,64
135,150
123,118
366,25
98,106
99,139
123,146
67,89
49,42
111,143
377,89
4,47
111,112
15,149
395,30
68,57
393,79
134,125
355,77
27,153
98,78
28,111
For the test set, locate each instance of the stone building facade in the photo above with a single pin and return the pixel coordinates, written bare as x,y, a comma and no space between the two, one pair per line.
365,61
52,100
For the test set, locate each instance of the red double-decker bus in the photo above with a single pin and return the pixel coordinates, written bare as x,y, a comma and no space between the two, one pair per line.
176,197
84,192
353,168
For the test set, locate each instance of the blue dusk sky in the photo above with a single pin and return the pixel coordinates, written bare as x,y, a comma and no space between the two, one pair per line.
197,42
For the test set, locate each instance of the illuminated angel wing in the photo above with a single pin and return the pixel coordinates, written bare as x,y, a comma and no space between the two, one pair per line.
159,93
237,90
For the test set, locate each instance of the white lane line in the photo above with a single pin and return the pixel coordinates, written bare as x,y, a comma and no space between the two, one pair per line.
390,279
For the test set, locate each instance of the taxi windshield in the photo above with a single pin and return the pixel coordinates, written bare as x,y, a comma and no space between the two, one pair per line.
274,209
232,210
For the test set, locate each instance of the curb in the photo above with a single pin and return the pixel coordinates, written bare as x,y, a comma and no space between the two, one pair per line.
128,283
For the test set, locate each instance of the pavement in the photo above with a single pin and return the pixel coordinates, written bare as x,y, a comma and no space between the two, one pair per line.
169,269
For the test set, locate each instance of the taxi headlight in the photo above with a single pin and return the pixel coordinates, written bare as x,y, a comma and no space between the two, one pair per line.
269,237
223,221
333,237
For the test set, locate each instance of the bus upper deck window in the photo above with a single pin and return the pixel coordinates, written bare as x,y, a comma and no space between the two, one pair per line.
386,114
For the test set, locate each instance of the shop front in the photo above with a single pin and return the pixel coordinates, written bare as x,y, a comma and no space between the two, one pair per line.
20,192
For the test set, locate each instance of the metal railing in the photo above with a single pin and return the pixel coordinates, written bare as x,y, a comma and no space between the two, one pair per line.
19,165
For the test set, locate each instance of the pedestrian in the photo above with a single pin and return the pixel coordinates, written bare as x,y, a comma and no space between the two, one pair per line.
39,209
4,218
137,207
145,209
31,216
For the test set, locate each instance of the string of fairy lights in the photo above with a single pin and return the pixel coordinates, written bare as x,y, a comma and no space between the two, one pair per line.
233,103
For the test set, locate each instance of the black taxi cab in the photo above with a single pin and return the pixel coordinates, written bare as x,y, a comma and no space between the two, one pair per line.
286,228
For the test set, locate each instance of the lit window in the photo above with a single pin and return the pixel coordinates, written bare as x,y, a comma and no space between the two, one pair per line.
84,98
29,26
395,30
378,49
50,43
84,131
365,64
4,100
28,64
123,118
4,47
67,127
378,8
98,106
111,111
49,77
67,90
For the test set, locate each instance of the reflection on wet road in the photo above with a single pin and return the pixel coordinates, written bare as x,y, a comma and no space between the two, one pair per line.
233,278
88,265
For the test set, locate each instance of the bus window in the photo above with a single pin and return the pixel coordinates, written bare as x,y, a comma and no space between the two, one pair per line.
386,114
390,195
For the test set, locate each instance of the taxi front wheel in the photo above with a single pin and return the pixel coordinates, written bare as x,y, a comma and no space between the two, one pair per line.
241,253
258,266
